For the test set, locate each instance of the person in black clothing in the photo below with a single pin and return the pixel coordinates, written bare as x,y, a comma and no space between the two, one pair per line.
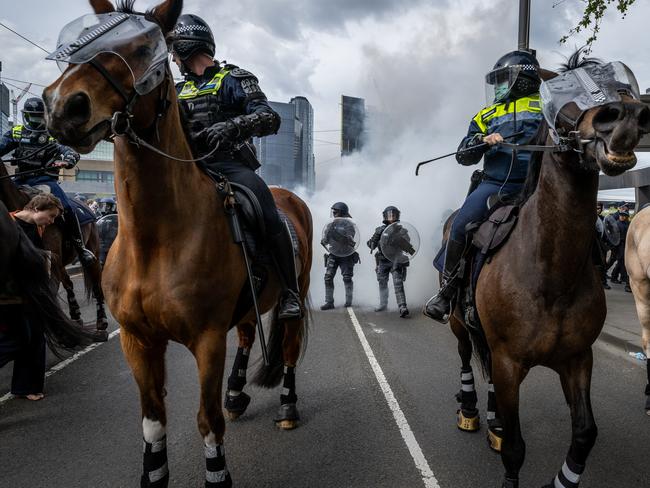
223,107
602,247
619,270
22,339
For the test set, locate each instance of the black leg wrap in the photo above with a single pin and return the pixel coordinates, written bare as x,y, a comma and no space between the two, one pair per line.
510,483
237,378
288,411
216,472
569,475
155,473
236,403
468,397
289,386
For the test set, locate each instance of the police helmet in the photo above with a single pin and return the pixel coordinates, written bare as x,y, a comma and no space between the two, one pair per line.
107,205
34,114
192,35
340,209
391,214
514,75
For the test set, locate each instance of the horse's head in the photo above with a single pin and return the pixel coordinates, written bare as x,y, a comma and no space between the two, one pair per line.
109,60
595,108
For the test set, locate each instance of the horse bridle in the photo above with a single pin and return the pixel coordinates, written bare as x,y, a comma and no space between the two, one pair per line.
120,121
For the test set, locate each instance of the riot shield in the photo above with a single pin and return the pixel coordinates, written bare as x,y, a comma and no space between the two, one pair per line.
107,228
341,237
399,242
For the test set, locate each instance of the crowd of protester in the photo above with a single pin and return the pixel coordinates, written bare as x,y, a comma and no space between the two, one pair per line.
612,225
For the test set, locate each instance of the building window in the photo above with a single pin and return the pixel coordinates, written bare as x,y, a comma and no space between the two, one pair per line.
98,176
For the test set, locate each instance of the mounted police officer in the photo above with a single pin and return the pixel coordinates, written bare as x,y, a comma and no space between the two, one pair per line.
386,267
35,149
339,210
514,112
224,106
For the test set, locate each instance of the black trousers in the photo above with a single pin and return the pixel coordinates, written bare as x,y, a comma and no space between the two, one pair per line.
22,341
239,173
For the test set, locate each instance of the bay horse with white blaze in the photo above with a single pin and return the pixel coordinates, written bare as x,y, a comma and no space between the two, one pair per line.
173,272
539,298
637,262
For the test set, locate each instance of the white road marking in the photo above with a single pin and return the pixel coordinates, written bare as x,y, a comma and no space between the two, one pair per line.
66,362
421,463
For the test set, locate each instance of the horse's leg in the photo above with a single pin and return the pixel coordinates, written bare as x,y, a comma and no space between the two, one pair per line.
575,375
495,429
467,415
73,304
236,401
148,367
288,416
94,275
210,353
507,376
641,290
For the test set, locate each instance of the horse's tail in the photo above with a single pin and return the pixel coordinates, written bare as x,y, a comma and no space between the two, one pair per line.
32,277
481,350
92,274
271,375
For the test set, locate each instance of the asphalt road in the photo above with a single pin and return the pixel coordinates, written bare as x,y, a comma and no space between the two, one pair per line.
87,431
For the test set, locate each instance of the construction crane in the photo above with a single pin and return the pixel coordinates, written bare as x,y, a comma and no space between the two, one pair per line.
15,100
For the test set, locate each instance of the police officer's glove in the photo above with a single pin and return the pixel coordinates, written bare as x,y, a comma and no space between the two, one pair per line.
218,133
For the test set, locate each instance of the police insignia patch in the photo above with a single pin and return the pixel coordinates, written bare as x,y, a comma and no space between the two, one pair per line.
241,73
250,86
42,139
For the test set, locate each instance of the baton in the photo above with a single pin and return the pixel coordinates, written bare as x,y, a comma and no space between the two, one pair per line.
478,146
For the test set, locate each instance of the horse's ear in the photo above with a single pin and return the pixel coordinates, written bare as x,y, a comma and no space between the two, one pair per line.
167,14
102,6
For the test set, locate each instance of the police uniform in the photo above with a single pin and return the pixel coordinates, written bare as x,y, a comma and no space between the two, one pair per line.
385,268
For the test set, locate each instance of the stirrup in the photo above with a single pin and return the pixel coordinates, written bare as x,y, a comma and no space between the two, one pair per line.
442,319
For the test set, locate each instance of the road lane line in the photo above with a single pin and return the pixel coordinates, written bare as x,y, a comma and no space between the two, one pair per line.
66,362
421,463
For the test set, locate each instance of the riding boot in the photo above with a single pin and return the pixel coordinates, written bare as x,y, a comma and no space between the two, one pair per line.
282,248
439,306
73,229
383,297
329,295
349,287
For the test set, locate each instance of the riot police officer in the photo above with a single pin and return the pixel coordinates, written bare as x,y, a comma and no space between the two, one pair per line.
386,267
224,107
332,262
514,111
34,148
107,206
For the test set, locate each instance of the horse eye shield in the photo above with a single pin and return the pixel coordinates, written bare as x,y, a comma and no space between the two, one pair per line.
138,42
588,87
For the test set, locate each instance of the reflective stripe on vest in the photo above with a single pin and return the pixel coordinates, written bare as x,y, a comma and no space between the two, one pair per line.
17,134
530,105
190,90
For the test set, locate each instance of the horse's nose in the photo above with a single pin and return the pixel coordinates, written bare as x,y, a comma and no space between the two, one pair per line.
77,109
608,117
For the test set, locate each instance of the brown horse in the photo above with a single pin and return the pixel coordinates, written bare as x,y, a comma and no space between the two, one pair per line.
54,240
173,272
637,262
540,299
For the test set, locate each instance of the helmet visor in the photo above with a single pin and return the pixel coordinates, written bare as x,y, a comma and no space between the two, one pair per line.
34,120
391,215
499,83
137,41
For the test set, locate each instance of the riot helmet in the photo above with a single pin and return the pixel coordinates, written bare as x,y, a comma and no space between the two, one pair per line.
191,35
34,114
340,209
107,206
514,75
391,214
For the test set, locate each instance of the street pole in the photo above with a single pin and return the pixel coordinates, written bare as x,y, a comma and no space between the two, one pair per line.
524,25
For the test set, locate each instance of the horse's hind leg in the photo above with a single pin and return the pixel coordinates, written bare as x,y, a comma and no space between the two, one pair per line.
288,416
236,400
507,376
73,304
495,429
467,415
210,353
641,290
148,367
576,383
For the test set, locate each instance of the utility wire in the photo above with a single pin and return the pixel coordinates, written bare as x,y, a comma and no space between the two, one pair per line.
20,88
25,38
23,81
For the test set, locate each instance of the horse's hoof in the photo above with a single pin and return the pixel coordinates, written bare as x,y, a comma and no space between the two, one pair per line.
288,417
236,405
468,421
102,324
494,438
647,404
510,483
100,336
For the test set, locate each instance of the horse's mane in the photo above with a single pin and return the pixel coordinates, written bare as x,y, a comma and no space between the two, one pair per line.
125,6
578,60
534,167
